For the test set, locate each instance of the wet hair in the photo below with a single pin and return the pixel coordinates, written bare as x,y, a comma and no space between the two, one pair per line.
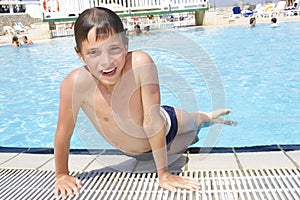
274,20
106,22
252,20
15,39
137,29
147,28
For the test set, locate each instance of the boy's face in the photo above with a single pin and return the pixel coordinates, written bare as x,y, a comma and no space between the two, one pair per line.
105,58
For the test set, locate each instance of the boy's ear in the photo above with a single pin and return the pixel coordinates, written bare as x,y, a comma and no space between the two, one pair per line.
126,44
78,54
76,49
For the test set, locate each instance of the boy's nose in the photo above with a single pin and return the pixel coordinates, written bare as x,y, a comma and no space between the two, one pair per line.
105,61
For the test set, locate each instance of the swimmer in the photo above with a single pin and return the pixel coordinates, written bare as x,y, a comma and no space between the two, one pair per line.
137,30
26,41
274,23
15,41
252,22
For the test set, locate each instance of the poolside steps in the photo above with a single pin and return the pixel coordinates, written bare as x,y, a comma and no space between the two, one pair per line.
215,184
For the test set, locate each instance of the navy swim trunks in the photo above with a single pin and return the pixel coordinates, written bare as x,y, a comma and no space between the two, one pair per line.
174,124
173,128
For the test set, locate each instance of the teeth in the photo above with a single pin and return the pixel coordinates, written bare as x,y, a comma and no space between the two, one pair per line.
108,70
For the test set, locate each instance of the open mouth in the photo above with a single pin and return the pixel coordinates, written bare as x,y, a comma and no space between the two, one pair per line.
109,72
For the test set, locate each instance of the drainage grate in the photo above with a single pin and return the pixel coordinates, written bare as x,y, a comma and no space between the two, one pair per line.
281,184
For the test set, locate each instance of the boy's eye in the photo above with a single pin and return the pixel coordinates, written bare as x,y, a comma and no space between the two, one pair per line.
115,50
94,52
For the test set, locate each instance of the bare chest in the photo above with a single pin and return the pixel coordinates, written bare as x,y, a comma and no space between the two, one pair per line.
118,118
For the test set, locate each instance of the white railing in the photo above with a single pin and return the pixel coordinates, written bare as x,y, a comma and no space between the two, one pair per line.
18,2
122,7
148,5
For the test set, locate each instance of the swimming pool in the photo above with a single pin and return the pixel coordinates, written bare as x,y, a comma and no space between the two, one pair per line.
255,72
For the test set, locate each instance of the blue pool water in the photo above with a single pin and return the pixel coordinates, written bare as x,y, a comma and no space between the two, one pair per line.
254,72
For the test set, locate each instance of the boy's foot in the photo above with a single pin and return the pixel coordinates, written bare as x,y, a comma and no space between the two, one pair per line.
225,121
219,112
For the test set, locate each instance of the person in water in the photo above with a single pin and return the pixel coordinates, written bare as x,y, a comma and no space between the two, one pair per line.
137,30
15,41
252,22
119,92
274,23
26,40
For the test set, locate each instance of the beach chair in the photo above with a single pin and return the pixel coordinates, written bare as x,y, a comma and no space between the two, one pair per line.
267,11
19,28
258,10
236,13
248,12
278,10
8,30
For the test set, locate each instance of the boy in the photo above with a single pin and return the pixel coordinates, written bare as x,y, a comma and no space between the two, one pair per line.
119,92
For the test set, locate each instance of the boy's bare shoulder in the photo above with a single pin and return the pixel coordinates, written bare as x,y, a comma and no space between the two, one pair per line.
140,57
79,77
143,66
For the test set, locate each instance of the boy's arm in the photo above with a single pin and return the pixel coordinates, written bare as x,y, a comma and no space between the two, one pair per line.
155,129
65,184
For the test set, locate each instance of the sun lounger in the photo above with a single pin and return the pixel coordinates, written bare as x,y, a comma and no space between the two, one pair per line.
248,12
258,9
8,30
267,12
19,28
236,13
278,10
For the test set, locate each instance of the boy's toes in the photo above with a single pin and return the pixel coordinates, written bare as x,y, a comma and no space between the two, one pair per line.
224,121
227,111
230,122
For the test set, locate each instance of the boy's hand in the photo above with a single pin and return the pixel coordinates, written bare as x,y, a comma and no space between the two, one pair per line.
172,182
67,186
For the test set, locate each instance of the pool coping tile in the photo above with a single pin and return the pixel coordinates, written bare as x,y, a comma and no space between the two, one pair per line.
215,161
295,157
111,163
27,161
264,160
183,162
6,157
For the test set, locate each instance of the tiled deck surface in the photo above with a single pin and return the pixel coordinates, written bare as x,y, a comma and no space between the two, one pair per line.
232,159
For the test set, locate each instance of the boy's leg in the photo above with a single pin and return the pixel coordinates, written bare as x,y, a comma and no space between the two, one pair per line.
190,123
213,117
181,142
